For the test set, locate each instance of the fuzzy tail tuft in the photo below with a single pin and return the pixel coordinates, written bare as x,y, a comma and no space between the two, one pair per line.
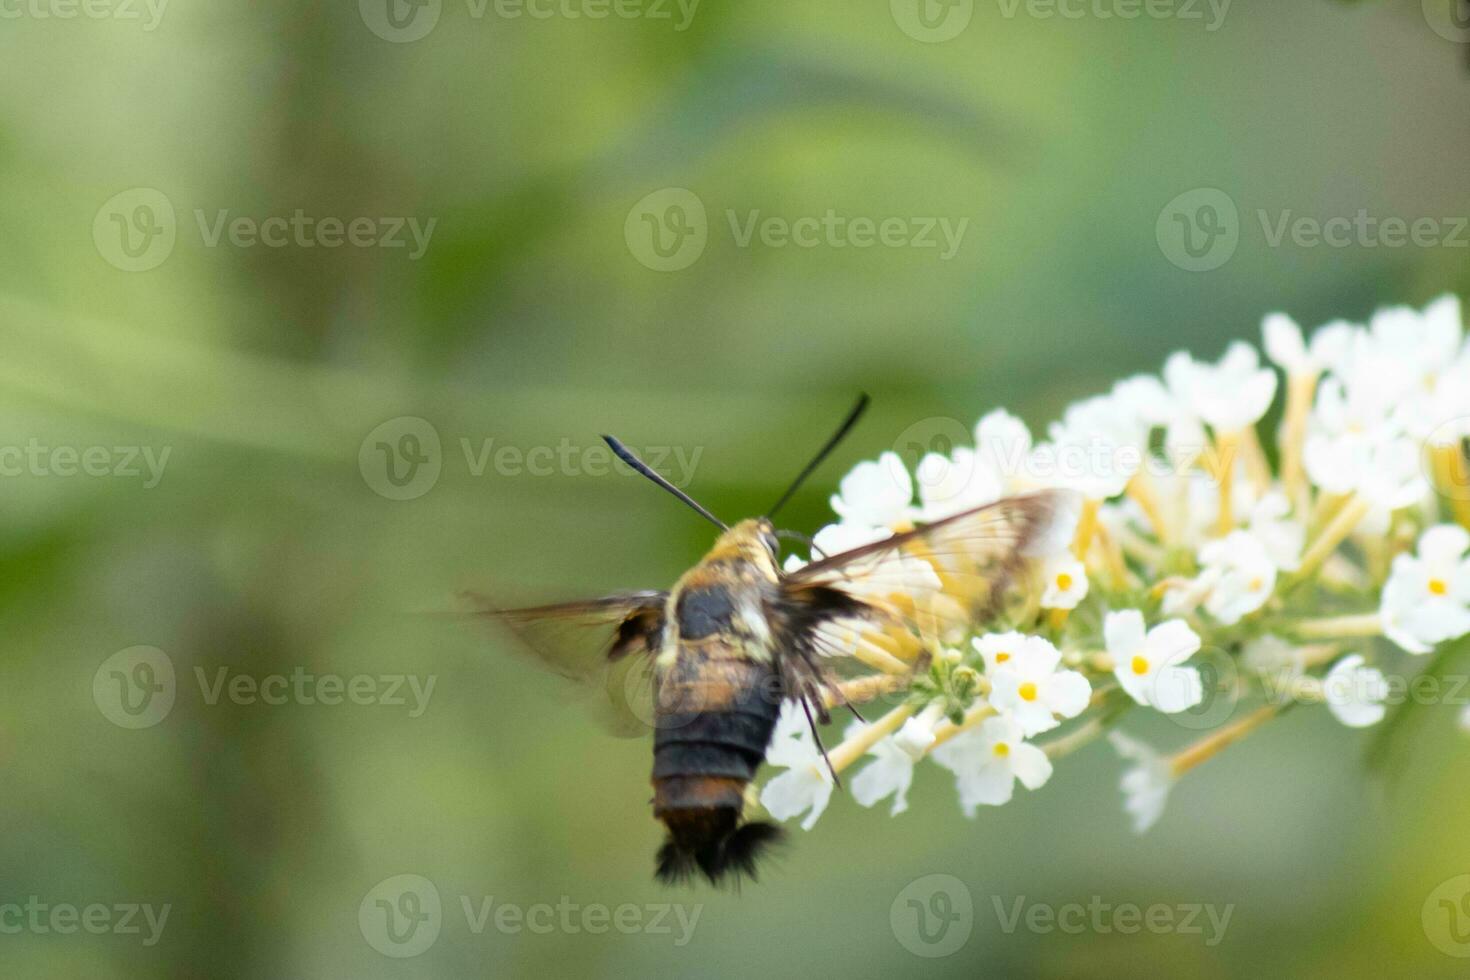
727,861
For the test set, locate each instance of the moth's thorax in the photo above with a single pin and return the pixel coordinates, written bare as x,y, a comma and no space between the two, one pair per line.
719,606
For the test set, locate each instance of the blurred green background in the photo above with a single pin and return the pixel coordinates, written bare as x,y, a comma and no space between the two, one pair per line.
271,541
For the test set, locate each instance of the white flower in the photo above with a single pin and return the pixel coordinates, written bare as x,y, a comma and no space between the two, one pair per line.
917,733
1057,537
1355,445
1145,784
1066,583
1289,351
1095,449
1002,444
875,494
889,774
999,649
884,574
988,761
1282,537
1156,406
834,539
1230,395
1419,344
1354,693
1426,597
958,482
1147,664
807,783
1240,574
1271,657
1031,689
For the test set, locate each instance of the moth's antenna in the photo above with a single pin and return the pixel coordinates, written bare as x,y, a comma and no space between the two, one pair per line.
626,455
842,430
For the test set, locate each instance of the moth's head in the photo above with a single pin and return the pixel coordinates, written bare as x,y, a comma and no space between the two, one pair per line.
753,540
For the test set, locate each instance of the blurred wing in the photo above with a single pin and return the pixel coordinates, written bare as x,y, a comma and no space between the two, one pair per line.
605,644
933,581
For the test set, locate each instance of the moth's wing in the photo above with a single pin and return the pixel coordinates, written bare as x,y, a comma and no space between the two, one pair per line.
934,582
606,645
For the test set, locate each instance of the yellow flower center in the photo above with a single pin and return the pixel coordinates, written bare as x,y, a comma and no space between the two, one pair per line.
1064,581
1438,586
1256,585
1028,691
1139,664
1002,749
1002,657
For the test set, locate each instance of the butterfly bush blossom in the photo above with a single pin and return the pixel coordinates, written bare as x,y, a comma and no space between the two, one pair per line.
1296,573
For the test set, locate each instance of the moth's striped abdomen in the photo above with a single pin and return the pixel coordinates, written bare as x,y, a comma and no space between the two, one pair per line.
716,716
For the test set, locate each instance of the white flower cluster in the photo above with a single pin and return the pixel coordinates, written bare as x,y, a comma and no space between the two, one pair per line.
1305,568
